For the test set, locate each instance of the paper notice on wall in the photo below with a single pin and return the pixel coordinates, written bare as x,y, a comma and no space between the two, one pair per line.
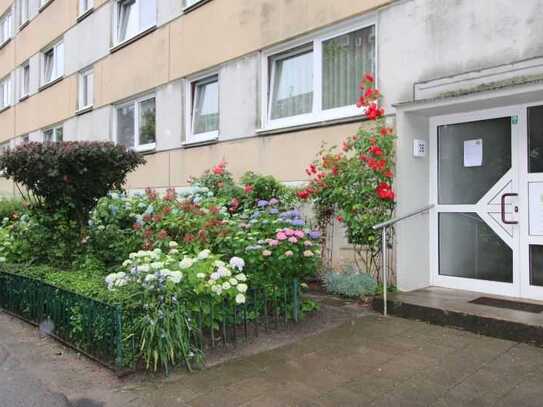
536,208
473,153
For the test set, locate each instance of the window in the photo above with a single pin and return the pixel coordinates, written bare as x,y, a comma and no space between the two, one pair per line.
5,92
53,63
5,27
317,79
53,135
4,147
23,14
132,17
136,123
24,139
86,89
24,80
85,5
203,114
44,3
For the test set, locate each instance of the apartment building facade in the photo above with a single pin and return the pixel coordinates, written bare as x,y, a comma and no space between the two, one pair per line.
263,83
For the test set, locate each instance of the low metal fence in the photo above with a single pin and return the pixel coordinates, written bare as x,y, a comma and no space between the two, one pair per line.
105,332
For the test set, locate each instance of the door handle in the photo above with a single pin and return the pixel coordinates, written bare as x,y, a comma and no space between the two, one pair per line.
504,197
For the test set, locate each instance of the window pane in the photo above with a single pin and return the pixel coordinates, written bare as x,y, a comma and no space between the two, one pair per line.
59,60
48,62
147,121
125,125
189,3
206,107
461,184
59,134
535,139
536,265
26,80
469,248
48,136
127,19
292,92
345,59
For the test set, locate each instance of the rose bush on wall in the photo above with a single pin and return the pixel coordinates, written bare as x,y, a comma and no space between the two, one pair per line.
355,183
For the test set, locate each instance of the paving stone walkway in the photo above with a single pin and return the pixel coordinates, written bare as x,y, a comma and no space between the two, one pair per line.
369,361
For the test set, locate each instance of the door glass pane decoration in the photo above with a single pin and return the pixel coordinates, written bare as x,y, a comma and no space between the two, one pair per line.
469,248
472,158
206,107
147,113
292,85
345,60
127,19
126,125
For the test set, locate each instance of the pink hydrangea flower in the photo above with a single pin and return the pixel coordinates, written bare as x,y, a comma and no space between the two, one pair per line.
281,236
293,240
273,242
289,232
299,234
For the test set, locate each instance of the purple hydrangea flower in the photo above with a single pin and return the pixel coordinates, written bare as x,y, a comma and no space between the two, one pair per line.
297,222
262,203
274,201
274,211
314,234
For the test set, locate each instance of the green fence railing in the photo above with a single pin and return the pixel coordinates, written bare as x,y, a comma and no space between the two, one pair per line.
103,331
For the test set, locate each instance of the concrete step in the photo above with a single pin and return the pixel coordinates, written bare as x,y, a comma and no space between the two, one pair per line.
447,307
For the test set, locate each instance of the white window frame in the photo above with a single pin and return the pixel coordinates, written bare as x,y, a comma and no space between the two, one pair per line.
318,114
55,129
115,26
190,98
23,18
83,76
137,102
85,6
185,6
6,18
5,92
58,65
24,88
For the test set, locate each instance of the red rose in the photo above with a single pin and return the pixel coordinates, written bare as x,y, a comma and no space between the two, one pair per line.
340,218
388,174
248,188
375,150
384,192
369,78
373,111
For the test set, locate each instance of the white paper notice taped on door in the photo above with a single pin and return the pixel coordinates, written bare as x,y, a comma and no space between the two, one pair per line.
536,208
473,153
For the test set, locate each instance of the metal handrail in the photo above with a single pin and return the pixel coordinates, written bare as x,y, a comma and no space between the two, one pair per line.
384,227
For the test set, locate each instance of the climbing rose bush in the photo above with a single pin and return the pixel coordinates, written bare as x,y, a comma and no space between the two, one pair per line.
355,181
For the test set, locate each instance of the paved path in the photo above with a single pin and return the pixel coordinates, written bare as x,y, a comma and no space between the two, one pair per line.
370,361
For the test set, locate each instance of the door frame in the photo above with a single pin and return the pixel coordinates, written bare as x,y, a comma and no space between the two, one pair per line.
491,287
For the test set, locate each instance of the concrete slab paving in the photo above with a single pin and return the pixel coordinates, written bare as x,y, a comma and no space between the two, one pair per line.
365,361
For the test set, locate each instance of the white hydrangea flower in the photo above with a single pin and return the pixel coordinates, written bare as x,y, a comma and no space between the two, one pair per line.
186,263
204,254
144,268
233,282
201,275
219,263
240,299
242,288
150,278
173,245
158,265
127,263
173,276
215,276
174,251
133,255
238,263
241,277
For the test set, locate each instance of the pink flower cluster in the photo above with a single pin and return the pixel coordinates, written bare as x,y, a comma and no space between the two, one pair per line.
289,234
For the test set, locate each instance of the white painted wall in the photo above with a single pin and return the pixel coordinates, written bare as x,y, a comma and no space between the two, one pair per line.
169,116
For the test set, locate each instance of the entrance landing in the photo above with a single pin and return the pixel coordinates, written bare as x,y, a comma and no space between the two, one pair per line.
456,308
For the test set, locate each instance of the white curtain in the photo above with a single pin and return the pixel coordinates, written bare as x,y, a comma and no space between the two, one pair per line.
206,107
292,92
345,60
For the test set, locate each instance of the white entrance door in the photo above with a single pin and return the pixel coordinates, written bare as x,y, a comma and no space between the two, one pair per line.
476,226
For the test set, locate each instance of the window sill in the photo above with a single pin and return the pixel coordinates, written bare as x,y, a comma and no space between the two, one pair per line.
84,110
129,41
23,98
4,108
269,131
200,143
195,6
145,149
85,15
6,42
23,25
49,84
44,6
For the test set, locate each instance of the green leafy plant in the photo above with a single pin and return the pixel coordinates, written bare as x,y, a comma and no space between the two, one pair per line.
350,284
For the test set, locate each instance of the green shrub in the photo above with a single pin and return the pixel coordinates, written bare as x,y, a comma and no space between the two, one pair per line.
69,176
350,284
11,208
